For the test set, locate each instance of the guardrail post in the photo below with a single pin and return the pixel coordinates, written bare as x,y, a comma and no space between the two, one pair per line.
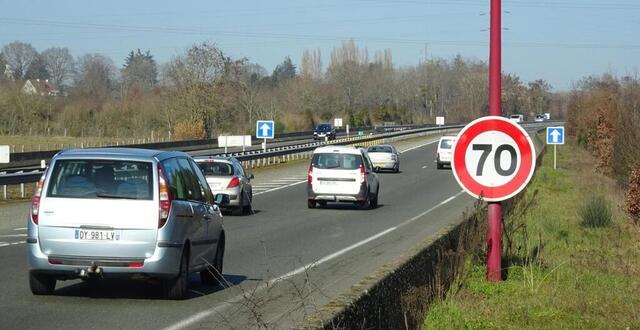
4,187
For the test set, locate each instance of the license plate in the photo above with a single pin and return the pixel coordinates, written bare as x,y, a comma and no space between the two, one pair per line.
96,235
379,165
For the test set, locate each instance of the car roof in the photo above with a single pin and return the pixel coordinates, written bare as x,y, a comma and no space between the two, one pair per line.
211,159
337,149
117,153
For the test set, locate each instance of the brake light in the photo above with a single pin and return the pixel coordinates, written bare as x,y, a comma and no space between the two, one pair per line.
310,174
35,200
394,157
136,264
363,178
234,182
165,198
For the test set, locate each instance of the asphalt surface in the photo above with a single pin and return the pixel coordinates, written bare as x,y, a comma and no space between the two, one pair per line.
281,263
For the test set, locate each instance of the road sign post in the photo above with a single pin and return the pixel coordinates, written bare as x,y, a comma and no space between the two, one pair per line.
265,129
493,159
555,136
494,215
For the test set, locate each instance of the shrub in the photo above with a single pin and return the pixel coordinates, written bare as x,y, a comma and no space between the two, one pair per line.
632,201
189,130
596,212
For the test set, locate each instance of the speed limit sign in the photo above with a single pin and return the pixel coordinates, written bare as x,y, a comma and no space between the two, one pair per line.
493,158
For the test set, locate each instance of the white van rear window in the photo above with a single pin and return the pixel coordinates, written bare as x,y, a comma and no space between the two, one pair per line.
101,178
337,161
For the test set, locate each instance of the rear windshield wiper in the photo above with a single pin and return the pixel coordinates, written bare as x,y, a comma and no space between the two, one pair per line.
115,196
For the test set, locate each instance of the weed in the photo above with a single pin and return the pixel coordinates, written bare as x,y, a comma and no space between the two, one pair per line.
596,212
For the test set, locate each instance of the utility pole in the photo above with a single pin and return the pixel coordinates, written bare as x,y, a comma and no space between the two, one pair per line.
494,216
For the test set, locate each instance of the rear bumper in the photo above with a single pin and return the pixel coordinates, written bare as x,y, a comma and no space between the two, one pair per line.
330,197
234,196
385,165
165,262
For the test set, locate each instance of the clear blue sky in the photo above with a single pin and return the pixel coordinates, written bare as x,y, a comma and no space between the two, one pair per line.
557,40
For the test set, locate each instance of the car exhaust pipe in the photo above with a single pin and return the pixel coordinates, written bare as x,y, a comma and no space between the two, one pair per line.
91,272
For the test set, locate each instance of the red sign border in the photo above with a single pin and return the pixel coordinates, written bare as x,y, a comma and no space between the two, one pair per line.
524,171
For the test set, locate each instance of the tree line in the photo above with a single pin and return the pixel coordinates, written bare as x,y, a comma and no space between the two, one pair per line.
204,92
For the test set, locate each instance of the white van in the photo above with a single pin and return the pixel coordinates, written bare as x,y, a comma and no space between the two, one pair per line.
342,174
444,152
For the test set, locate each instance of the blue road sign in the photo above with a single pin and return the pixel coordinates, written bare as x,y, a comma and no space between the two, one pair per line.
265,129
555,135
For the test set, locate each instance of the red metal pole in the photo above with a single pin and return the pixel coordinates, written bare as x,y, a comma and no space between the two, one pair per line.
494,267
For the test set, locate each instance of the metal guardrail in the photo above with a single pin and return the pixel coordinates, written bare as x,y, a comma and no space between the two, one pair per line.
34,175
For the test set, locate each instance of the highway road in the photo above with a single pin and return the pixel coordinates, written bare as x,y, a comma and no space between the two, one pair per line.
281,263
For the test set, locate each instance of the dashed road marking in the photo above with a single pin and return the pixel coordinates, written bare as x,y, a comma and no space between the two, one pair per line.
14,235
20,229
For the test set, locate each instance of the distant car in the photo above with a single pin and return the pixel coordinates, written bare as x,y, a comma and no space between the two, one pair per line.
540,117
124,213
517,118
324,130
225,175
384,157
444,152
342,174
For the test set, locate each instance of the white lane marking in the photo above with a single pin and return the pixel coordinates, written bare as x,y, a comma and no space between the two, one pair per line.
4,244
329,257
281,187
14,235
424,166
418,146
19,229
206,313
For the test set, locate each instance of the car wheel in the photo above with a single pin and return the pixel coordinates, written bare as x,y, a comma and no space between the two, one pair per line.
397,169
373,201
439,166
42,284
366,203
311,203
176,288
212,275
322,204
247,209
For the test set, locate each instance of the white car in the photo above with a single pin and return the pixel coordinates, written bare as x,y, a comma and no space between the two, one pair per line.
516,118
540,118
444,152
342,174
384,157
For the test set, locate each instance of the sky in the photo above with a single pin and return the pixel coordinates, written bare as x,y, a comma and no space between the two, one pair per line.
560,41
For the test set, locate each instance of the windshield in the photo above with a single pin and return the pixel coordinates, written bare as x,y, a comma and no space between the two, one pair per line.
515,116
380,149
101,178
216,168
337,161
323,128
446,143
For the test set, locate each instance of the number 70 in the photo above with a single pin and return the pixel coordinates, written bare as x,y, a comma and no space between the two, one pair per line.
486,150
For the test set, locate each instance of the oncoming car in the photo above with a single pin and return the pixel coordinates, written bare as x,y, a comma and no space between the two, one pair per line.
384,157
124,213
226,175
342,174
444,152
324,131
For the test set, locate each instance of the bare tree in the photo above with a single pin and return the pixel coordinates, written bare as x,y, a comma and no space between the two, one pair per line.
19,56
59,64
96,76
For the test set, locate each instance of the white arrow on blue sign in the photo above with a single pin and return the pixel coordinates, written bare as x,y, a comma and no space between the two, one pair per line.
555,135
265,129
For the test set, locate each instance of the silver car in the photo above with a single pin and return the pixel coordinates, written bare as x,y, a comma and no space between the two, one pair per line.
225,175
384,157
124,213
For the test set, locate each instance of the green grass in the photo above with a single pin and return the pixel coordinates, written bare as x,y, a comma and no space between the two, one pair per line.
564,275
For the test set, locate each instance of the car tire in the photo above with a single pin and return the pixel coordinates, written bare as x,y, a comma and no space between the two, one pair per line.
176,288
322,204
42,284
373,201
212,275
439,165
247,209
311,203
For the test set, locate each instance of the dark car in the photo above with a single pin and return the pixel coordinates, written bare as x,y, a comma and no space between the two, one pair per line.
324,131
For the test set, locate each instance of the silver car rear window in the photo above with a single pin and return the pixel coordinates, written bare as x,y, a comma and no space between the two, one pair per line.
216,168
101,178
337,161
380,149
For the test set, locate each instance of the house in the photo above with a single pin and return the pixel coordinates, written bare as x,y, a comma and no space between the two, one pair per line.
40,87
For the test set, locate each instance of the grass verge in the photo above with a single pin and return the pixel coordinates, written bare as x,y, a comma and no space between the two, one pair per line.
560,273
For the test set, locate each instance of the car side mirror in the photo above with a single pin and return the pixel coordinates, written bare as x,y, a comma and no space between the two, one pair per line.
221,199
252,176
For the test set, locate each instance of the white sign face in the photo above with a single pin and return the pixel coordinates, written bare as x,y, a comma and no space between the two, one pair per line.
493,158
4,154
337,122
234,141
440,121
